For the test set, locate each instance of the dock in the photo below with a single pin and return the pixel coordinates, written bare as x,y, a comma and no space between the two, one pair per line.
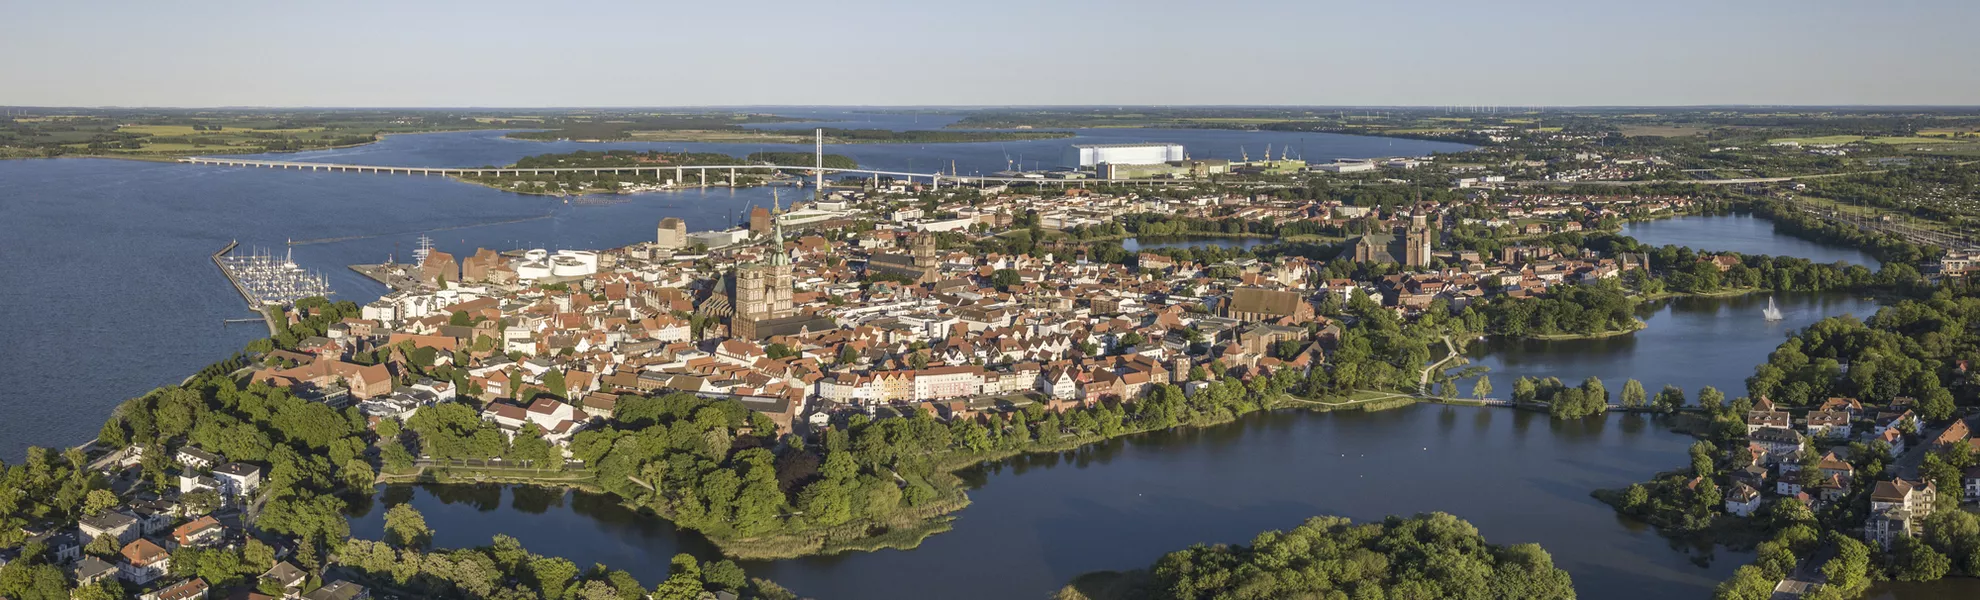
395,276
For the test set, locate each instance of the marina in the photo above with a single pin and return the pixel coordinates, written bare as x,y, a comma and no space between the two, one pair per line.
264,280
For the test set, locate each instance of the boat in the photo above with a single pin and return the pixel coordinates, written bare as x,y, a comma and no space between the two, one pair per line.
1773,311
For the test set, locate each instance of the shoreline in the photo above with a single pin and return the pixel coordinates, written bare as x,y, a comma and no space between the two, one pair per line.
1556,337
173,158
905,530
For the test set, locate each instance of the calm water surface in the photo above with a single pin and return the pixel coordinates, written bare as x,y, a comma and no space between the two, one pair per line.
1038,521
1742,233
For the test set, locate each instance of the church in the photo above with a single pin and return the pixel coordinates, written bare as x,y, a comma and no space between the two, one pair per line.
1412,246
762,292
919,265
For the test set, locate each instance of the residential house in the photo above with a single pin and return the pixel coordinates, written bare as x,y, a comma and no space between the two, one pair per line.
1758,419
92,569
124,528
287,577
199,533
197,459
237,480
339,590
190,589
1848,405
1828,424
143,562
1742,500
1777,442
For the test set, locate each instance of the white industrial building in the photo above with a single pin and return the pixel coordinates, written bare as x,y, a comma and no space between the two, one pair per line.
1080,156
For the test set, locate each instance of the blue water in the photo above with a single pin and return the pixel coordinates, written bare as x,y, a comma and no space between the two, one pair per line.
108,291
1742,233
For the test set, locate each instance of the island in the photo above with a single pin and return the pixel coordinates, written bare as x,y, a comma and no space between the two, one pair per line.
1432,555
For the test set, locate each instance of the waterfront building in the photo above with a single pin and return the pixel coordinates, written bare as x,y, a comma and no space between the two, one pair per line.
1082,156
672,234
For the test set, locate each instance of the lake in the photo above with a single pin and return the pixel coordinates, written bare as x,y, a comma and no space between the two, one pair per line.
1742,233
1038,521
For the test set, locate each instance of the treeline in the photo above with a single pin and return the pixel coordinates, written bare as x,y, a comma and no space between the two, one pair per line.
1432,555
708,467
1566,309
505,570
1922,191
936,136
1909,349
1887,248
620,126
1157,225
1563,401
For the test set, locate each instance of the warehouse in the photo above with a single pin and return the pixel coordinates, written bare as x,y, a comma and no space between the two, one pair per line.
1081,156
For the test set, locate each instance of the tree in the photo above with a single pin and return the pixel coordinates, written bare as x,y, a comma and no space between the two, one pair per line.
405,527
104,545
1670,398
1914,560
1483,388
1633,395
1701,458
1711,398
113,434
683,580
1747,583
1005,278
99,501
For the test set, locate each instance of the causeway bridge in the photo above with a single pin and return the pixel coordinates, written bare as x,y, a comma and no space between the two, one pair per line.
679,173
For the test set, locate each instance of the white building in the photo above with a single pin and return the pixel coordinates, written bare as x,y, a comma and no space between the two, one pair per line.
237,480
1088,155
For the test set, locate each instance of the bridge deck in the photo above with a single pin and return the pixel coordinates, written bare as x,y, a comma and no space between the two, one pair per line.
656,169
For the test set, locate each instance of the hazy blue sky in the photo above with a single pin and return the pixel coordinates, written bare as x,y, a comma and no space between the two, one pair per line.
900,52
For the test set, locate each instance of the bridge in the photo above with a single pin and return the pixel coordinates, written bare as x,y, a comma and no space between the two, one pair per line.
679,172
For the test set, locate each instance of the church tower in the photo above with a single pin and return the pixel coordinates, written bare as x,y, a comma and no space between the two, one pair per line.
924,252
1416,242
764,289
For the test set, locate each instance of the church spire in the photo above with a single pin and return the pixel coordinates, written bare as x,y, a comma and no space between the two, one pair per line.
777,256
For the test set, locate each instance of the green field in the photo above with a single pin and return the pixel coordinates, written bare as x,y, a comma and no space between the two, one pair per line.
1818,140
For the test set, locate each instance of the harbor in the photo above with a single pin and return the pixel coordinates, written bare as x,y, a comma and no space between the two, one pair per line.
264,280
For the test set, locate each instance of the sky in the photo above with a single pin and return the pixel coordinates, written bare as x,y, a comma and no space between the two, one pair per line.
574,53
